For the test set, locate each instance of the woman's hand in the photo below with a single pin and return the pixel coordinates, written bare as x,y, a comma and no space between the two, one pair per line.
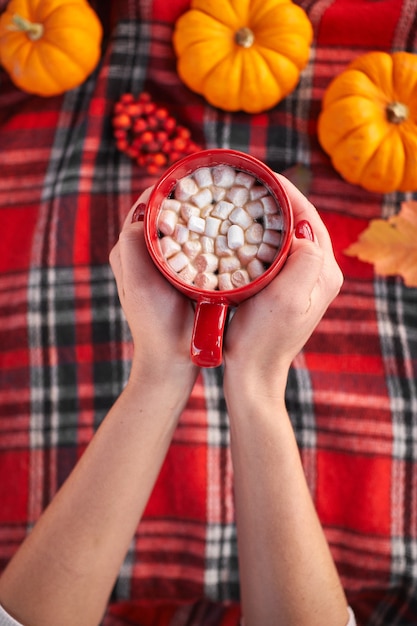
268,330
159,317
287,574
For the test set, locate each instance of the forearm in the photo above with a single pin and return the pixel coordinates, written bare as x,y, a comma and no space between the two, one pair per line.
286,569
68,565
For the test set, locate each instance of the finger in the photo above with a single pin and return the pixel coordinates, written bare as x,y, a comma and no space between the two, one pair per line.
133,253
114,260
116,266
136,262
121,266
144,197
114,257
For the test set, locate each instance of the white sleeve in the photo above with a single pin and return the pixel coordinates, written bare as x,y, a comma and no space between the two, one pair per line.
351,622
6,619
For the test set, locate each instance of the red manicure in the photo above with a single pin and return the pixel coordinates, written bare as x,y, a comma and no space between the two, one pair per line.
139,212
303,230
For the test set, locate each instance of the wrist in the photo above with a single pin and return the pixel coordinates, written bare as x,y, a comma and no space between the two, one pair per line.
252,386
256,410
260,432
169,380
151,405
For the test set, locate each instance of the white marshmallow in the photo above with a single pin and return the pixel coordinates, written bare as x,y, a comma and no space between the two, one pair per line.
269,204
206,281
212,226
219,193
224,226
273,237
225,282
169,247
188,273
178,261
221,246
207,244
185,188
255,209
196,224
238,195
235,237
229,264
255,268
187,210
241,217
244,179
202,198
205,211
203,177
240,278
254,233
275,221
222,209
181,233
192,248
167,220
223,175
257,192
206,262
171,204
266,253
246,253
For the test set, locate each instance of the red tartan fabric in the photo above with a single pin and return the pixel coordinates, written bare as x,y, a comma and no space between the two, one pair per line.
173,614
65,347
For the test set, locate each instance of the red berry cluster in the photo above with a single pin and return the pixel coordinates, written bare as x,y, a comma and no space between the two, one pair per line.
147,133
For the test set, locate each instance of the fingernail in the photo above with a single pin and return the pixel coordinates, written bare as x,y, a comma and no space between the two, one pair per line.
303,230
139,213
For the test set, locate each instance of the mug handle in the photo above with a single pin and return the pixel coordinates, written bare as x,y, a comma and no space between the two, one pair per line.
207,338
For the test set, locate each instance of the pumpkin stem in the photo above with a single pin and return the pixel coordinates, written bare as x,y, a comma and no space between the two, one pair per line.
34,30
397,112
244,37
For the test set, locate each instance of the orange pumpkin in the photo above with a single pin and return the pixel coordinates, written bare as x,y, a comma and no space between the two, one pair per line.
49,46
368,123
242,54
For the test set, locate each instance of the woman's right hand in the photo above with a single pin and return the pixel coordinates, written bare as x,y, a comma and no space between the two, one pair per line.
268,330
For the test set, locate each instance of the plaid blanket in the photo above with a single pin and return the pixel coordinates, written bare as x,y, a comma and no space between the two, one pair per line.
65,348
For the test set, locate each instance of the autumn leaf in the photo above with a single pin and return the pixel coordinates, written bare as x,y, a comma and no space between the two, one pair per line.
391,245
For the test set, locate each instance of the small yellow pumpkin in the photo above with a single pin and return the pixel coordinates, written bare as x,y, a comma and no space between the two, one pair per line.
368,122
242,54
49,46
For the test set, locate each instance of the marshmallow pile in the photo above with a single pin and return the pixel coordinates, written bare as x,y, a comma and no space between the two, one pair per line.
220,228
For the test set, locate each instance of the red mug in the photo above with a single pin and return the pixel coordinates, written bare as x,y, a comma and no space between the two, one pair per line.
212,306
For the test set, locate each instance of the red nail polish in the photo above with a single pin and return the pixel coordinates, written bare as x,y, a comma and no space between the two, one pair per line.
139,213
303,230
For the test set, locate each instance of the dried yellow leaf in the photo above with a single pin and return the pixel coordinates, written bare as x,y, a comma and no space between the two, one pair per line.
391,245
